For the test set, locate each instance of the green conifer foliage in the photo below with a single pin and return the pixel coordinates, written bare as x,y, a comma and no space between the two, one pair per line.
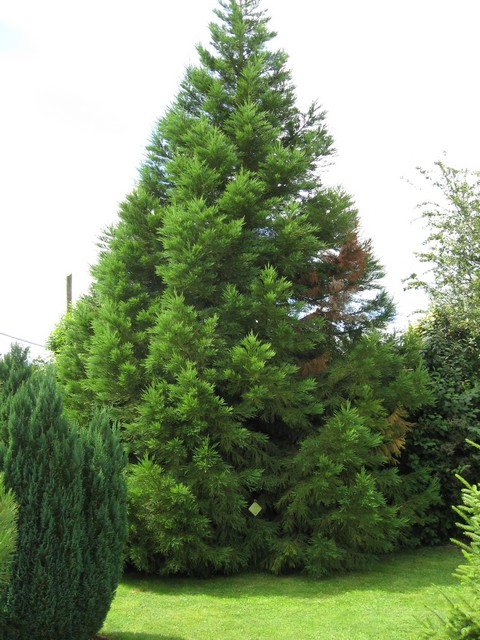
8,541
71,337
15,368
8,533
232,281
463,620
104,527
71,517
43,467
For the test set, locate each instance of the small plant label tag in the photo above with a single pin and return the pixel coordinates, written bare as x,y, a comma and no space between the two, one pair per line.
255,508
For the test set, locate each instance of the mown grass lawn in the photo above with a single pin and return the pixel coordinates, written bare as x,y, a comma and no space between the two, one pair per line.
387,602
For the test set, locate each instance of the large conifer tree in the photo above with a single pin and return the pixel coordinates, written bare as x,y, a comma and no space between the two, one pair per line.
232,283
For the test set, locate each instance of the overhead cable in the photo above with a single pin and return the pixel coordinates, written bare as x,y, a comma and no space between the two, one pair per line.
22,340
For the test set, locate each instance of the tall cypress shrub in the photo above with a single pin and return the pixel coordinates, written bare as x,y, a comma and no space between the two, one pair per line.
71,517
103,521
43,466
231,288
15,369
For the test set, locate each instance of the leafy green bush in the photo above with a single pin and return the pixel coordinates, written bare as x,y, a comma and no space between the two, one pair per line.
436,447
451,335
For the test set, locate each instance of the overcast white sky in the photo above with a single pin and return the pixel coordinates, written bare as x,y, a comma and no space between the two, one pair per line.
83,82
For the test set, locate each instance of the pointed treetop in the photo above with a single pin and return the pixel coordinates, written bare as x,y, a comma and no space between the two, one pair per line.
244,23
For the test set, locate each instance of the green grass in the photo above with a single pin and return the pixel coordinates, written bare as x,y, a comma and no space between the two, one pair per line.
387,602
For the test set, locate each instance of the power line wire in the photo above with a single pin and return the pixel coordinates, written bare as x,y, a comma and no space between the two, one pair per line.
22,340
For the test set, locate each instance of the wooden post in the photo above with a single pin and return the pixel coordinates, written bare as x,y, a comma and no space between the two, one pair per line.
69,292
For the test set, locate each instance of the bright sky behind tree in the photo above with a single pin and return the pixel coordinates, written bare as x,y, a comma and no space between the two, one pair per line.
82,84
